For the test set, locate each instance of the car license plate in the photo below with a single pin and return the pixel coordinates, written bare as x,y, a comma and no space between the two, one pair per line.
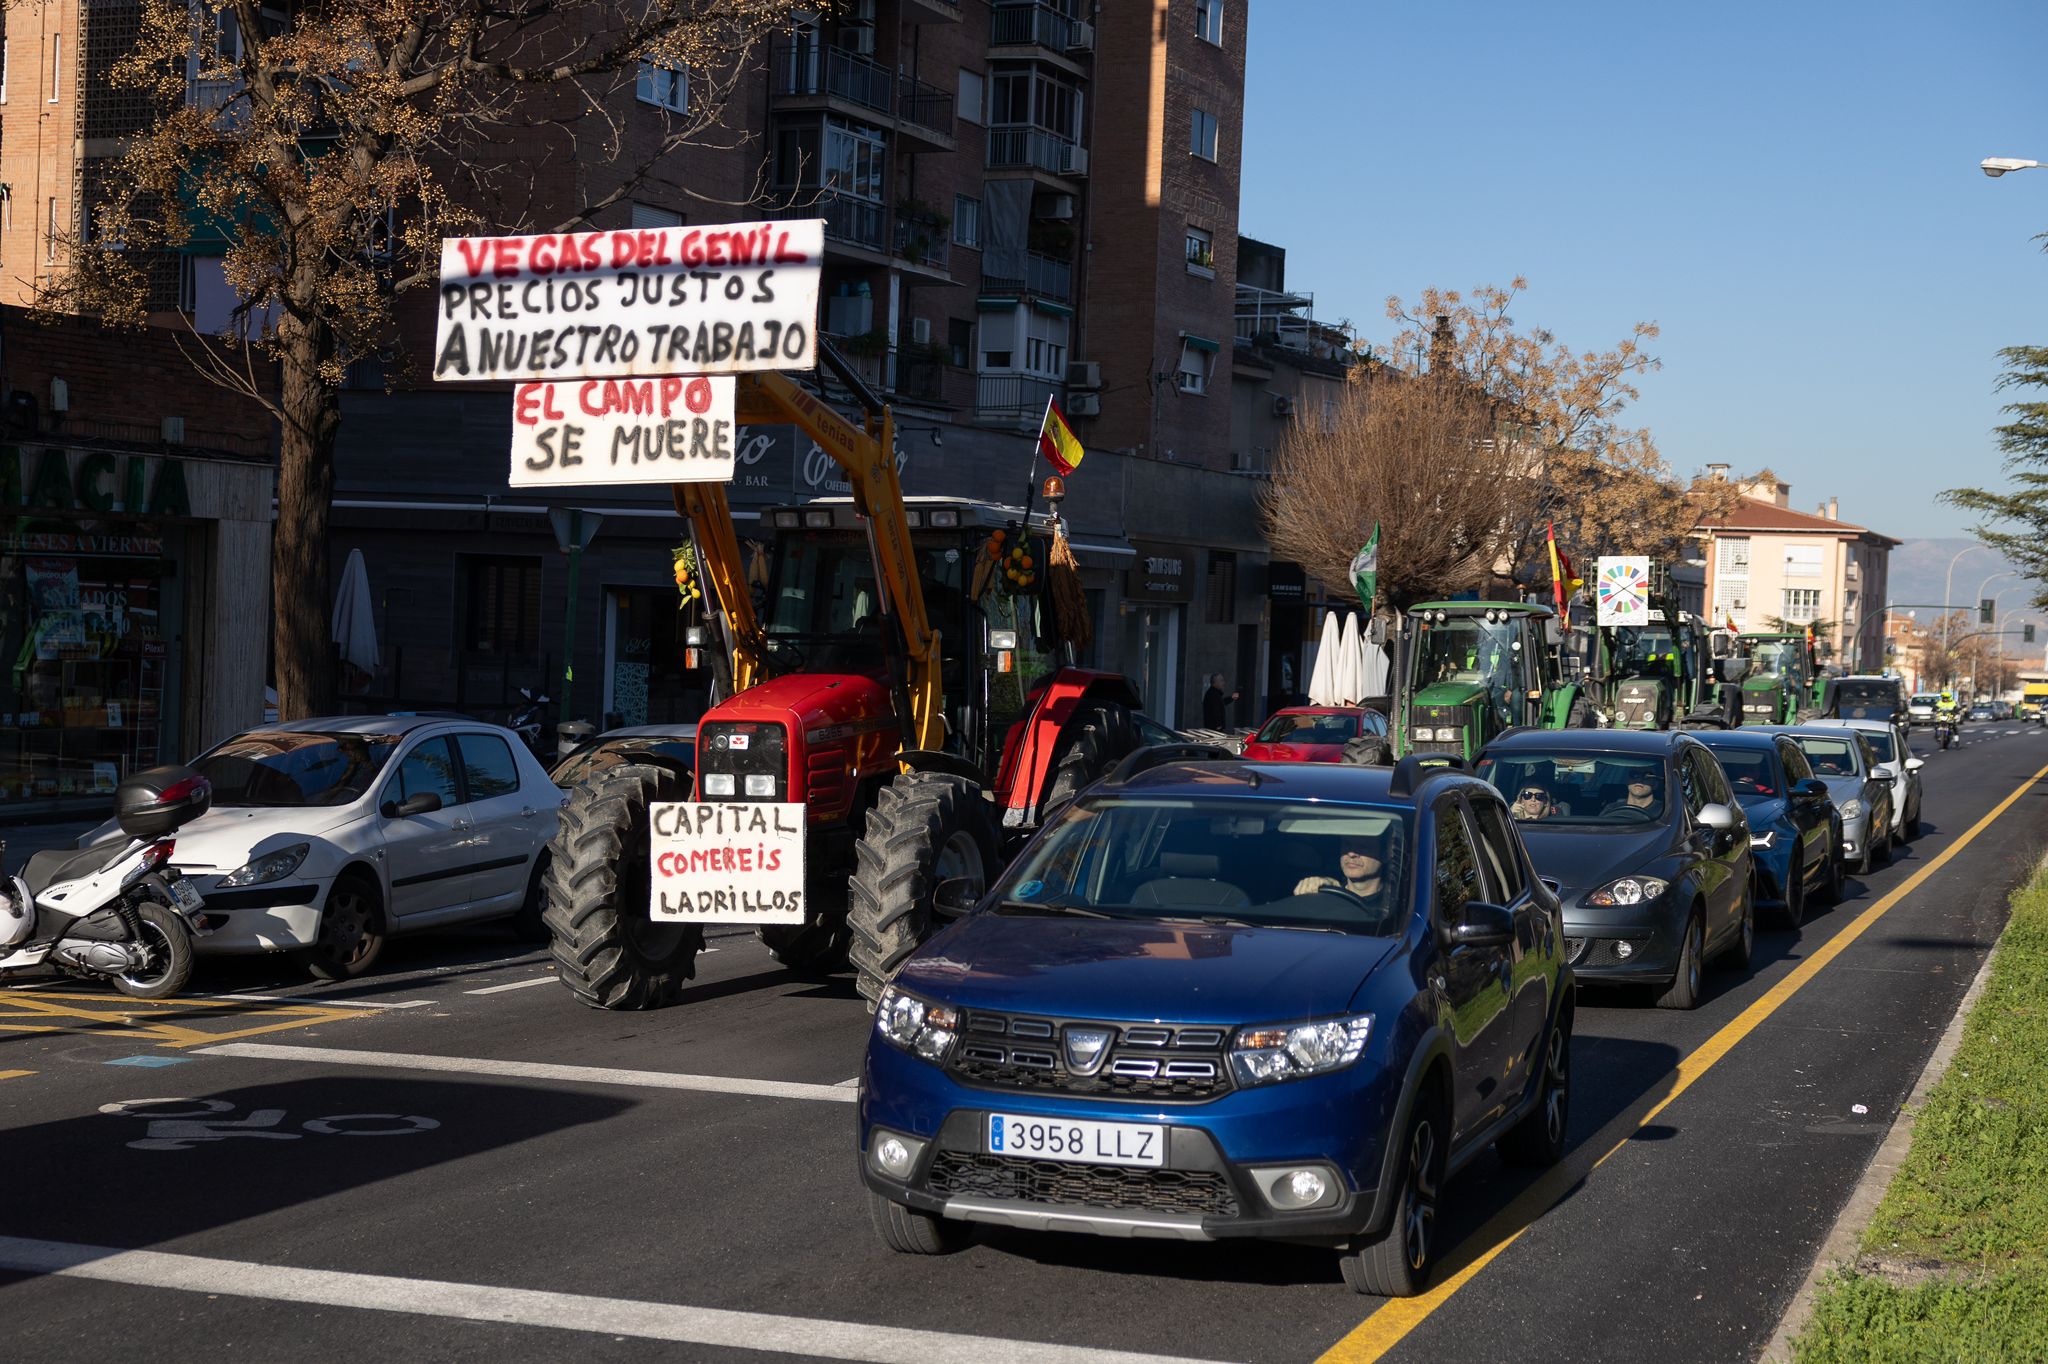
1090,1143
187,898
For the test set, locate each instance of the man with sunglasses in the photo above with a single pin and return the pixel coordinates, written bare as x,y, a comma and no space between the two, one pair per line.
1360,862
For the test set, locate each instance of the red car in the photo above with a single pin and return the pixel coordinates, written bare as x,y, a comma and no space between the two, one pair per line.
1313,734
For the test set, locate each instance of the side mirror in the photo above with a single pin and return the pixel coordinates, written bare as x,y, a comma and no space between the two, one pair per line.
1813,788
425,803
956,897
1716,817
1483,925
1915,764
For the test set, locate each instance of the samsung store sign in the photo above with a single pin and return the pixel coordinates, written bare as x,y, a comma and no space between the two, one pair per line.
1163,573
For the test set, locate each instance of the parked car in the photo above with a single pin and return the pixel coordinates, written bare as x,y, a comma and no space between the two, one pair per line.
1224,999
1316,734
1891,755
2001,710
671,746
1795,835
329,836
1920,710
1844,761
1646,840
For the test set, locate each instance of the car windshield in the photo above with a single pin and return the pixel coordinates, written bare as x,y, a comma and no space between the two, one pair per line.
1579,789
1465,649
1258,863
602,754
1750,773
1775,657
284,768
1880,744
1925,698
1830,757
1866,694
1309,729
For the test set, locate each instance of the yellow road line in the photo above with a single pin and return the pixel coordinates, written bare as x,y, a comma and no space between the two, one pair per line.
14,1074
133,1018
1389,1325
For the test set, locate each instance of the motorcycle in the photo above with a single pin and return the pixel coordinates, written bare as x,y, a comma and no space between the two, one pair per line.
113,911
530,723
1944,732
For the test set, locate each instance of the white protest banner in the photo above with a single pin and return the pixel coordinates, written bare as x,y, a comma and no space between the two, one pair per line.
635,303
726,862
673,430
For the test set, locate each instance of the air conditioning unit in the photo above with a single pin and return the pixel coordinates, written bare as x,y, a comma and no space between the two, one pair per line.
1075,161
921,330
1056,206
1081,38
1084,374
858,39
1084,404
1283,404
1240,462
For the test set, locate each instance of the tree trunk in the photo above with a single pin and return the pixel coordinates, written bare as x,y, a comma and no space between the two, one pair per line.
302,641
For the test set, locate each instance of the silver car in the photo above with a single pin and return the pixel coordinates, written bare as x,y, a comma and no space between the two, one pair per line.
1892,758
1842,760
1920,709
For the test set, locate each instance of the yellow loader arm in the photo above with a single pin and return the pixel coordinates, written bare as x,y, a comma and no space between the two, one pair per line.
867,454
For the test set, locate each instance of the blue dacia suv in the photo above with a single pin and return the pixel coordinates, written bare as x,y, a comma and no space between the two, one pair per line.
1217,999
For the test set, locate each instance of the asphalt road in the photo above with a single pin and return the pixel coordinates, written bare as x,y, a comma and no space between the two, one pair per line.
454,1160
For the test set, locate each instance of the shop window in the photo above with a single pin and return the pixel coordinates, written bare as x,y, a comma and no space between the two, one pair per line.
1222,587
501,598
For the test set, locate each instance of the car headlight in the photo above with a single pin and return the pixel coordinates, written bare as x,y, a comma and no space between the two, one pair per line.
267,868
1852,809
1762,840
1628,890
1265,1055
915,1025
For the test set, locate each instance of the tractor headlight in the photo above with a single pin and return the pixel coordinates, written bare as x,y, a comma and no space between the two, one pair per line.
1628,890
915,1025
1424,733
1266,1055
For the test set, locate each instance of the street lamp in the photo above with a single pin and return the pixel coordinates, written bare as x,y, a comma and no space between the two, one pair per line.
1995,166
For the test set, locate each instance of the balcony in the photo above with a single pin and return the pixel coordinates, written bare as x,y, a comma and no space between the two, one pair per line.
1040,27
853,222
1014,401
924,241
1044,276
808,75
924,114
931,11
1046,155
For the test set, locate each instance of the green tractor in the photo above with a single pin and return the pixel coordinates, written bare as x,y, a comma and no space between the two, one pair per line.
1782,684
1470,670
1661,674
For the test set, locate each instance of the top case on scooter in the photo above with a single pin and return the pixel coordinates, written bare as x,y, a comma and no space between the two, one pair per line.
153,803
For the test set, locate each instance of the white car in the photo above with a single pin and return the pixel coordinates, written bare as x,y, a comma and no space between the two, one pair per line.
327,837
1892,759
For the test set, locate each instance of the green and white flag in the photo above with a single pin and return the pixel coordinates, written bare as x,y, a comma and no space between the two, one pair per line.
1365,569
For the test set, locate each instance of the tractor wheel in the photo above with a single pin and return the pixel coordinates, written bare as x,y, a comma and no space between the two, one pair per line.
607,950
817,946
1097,736
1581,715
1368,750
926,827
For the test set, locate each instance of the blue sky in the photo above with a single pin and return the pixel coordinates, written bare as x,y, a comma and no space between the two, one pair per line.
1790,190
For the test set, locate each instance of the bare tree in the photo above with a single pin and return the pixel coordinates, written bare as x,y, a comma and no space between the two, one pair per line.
1417,458
332,146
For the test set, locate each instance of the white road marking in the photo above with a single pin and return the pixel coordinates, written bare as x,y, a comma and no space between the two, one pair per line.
849,1084
706,1326
515,985
532,1070
369,1003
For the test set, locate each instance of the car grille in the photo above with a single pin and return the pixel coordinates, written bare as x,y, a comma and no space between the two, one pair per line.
1574,950
962,1174
1600,952
1147,1061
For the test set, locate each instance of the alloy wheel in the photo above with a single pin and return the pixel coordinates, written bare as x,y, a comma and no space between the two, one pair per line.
1419,1217
345,926
156,959
1557,1087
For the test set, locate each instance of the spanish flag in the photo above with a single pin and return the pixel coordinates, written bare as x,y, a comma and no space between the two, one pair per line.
1057,441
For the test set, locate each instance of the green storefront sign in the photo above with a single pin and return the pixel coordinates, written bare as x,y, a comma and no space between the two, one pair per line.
64,480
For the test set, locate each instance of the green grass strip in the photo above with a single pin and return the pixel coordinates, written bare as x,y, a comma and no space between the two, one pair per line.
1962,1233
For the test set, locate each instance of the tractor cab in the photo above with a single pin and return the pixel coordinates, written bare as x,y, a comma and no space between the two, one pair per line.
1779,685
1472,669
1659,673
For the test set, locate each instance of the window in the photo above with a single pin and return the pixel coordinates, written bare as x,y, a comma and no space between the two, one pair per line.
853,161
427,770
1802,604
1732,557
6,209
502,605
966,221
1690,784
666,87
3,69
1028,96
1716,781
1045,345
648,215
1797,769
973,96
1503,863
959,342
1802,561
1201,250
1202,135
1222,593
50,235
1193,376
487,766
56,67
1209,21
1457,868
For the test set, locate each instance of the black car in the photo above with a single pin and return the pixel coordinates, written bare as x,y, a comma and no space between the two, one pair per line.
1795,832
1643,834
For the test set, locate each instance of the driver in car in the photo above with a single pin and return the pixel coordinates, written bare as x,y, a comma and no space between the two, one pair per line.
1642,795
1360,861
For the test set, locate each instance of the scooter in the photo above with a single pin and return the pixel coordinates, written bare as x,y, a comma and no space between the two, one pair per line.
113,911
1944,732
531,723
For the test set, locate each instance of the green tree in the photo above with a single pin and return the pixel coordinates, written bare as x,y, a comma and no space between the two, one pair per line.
2015,521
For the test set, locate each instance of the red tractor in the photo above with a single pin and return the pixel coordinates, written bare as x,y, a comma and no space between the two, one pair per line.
925,726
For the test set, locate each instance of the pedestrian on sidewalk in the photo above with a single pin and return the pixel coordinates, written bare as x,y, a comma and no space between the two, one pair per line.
1214,703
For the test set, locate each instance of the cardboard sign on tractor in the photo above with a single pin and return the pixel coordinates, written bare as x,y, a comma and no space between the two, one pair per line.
676,429
731,862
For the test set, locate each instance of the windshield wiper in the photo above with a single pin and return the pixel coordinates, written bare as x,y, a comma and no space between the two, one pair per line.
1212,920
1047,907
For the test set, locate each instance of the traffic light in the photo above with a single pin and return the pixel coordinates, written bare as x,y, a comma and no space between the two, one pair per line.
1984,606
2026,634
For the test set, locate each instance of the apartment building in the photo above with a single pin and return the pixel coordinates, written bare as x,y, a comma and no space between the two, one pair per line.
1022,201
1767,562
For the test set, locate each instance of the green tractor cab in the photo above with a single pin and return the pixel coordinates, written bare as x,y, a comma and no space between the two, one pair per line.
1470,670
1660,674
1782,685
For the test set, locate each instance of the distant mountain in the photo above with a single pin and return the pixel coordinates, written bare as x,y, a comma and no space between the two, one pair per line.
1919,572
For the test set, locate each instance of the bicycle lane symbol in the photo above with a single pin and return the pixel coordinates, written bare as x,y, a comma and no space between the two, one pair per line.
180,1124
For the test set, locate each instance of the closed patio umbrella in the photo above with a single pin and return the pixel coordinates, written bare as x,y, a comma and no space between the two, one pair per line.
355,625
